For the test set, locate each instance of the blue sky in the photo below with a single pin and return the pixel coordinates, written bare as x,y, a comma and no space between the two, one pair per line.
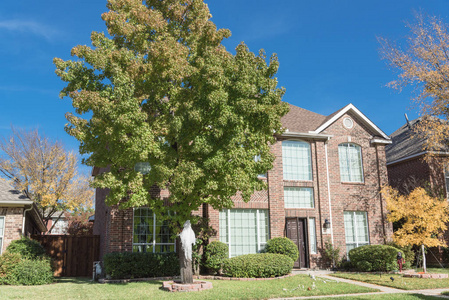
327,52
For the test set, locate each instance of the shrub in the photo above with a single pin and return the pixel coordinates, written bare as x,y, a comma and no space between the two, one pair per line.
27,248
258,265
31,272
120,265
215,254
7,262
332,253
374,258
283,245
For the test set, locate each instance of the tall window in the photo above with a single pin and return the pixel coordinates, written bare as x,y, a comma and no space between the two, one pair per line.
296,160
350,156
312,235
298,197
245,231
446,178
356,229
149,234
2,232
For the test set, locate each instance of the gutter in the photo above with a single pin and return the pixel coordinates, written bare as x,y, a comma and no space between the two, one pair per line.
23,220
309,135
329,191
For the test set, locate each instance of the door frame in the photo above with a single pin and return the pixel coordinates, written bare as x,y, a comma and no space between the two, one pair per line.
306,239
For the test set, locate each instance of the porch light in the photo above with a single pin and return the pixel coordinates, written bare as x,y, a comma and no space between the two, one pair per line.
142,167
326,224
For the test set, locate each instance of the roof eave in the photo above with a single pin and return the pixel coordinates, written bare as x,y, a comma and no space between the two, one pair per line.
308,135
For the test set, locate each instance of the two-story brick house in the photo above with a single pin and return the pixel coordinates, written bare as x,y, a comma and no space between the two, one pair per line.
323,187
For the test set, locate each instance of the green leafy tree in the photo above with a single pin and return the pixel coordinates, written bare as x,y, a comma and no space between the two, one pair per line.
162,89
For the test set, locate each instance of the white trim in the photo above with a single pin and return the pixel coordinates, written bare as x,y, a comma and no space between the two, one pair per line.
381,141
16,203
2,237
229,230
348,107
416,155
258,230
328,194
306,135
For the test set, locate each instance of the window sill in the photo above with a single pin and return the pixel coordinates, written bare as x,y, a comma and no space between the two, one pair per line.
352,183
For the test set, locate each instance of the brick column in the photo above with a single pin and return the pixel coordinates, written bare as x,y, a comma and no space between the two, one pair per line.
276,193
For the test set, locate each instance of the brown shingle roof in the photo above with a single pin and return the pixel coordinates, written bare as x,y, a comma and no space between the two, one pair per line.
301,120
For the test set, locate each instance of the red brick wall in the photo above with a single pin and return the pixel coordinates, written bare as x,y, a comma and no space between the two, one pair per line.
13,225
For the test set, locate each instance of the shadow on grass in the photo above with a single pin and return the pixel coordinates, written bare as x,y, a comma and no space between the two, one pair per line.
88,280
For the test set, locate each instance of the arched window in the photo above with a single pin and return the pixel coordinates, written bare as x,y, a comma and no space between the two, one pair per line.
296,160
350,156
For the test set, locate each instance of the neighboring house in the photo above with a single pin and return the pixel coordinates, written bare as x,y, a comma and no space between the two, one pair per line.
407,166
61,226
323,187
19,216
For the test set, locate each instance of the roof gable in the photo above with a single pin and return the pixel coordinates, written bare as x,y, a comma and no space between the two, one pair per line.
357,113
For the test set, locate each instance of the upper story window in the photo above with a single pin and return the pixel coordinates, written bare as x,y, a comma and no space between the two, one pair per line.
350,156
296,160
446,178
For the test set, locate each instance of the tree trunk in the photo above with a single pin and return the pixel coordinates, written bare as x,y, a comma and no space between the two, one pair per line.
424,268
186,266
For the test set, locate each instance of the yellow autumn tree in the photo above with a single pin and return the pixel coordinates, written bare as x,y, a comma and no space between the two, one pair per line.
423,218
422,62
45,172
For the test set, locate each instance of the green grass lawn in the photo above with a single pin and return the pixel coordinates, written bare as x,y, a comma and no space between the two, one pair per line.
81,288
387,297
404,283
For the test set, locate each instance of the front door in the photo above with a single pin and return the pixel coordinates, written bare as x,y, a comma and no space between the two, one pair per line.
296,231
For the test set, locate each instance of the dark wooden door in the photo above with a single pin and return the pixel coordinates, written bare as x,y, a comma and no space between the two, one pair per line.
296,231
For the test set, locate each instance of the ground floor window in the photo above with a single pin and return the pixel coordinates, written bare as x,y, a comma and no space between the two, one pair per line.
312,235
245,231
2,232
356,229
149,234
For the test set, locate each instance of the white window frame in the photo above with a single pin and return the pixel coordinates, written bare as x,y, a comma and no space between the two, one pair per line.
153,243
259,244
299,189
285,166
356,229
2,233
351,173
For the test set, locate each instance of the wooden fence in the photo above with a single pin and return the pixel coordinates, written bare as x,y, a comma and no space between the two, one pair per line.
72,255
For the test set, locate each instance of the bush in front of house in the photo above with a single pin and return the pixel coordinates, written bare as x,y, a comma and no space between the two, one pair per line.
215,254
407,253
262,265
31,272
7,262
122,265
283,245
374,258
26,247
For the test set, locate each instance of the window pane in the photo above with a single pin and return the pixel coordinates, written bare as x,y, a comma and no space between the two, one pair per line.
296,160
298,197
350,157
243,237
150,238
356,229
312,236
2,226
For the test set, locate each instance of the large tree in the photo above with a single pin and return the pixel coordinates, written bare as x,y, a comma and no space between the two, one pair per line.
161,88
45,172
423,218
422,61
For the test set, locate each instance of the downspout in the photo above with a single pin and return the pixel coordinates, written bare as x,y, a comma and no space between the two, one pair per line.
23,220
329,191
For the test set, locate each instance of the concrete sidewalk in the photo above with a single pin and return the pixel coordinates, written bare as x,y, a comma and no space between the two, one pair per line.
383,289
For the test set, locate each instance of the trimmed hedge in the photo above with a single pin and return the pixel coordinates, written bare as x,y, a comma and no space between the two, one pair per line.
374,258
31,272
283,245
215,254
258,265
123,265
26,247
7,262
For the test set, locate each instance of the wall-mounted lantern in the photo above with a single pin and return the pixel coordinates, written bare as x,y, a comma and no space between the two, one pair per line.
326,224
